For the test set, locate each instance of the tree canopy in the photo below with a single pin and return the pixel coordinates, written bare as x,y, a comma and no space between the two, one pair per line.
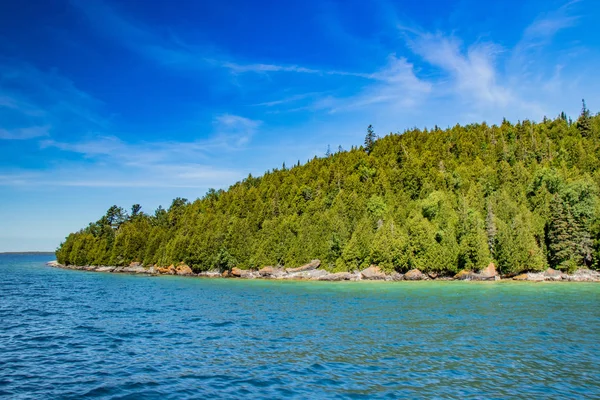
523,195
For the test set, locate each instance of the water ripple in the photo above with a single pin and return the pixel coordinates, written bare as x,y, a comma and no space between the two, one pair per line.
69,334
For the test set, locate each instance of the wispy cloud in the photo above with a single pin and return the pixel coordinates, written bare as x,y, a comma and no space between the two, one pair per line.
24,133
35,103
472,71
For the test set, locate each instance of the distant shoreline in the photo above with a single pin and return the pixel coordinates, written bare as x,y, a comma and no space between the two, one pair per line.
28,253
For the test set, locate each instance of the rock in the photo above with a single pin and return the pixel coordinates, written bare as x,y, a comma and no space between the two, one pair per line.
135,264
373,273
338,276
225,274
552,273
54,263
310,274
105,269
432,275
314,264
464,275
415,275
489,271
585,275
237,272
210,274
396,276
522,277
266,271
248,274
138,269
183,269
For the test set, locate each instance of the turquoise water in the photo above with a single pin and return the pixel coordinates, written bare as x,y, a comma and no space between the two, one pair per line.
71,334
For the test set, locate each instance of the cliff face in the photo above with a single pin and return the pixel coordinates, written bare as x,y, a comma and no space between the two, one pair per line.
523,196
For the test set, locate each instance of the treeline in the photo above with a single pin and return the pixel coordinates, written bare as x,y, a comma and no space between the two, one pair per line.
524,196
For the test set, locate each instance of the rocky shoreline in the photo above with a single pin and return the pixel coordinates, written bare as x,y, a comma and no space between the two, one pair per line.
311,271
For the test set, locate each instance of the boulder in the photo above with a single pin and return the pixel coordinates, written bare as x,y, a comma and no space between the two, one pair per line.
521,277
314,264
225,274
310,274
237,272
105,269
489,271
415,275
432,275
170,270
394,276
338,276
373,273
135,264
138,269
266,271
552,273
183,269
464,275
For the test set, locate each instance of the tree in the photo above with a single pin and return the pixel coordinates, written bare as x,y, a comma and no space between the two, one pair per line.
135,210
584,122
370,139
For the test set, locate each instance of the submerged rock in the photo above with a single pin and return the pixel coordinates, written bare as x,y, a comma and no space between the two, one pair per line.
415,275
373,273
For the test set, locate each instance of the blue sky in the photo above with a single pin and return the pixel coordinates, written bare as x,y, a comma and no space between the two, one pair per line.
119,102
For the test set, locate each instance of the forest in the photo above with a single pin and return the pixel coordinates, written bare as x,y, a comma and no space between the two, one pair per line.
522,195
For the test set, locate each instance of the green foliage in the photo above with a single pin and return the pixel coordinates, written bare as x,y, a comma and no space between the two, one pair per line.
524,196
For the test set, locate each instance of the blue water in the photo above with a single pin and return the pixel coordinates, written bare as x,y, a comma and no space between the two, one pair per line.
72,334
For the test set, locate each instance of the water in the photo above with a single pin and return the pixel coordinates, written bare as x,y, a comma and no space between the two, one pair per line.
71,334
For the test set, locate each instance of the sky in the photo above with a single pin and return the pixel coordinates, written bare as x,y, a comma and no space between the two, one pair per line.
108,102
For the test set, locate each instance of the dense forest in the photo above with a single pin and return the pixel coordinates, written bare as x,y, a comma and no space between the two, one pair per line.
523,195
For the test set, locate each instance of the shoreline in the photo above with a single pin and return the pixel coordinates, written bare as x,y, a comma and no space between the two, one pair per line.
311,272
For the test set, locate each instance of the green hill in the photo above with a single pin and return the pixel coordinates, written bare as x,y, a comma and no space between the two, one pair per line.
522,195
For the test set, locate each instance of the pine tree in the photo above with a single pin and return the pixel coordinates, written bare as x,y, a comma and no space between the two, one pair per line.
560,236
370,139
584,122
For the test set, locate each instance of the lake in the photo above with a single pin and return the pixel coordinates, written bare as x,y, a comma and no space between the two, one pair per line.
72,334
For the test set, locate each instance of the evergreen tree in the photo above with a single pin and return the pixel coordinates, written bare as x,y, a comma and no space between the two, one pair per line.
584,122
370,139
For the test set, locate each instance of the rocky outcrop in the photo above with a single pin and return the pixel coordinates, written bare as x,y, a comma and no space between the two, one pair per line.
183,269
314,264
314,274
394,277
415,275
584,275
372,273
311,272
338,276
489,272
464,275
271,272
135,269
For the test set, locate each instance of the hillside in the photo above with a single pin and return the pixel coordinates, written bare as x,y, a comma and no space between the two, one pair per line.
524,196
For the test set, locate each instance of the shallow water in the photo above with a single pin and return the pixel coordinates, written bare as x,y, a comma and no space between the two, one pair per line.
72,334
